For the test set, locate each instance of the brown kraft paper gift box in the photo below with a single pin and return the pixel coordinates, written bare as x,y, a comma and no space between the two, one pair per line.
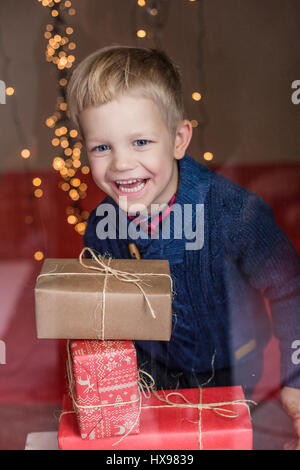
87,301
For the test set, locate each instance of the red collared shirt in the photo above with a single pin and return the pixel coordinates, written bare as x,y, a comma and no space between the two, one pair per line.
153,225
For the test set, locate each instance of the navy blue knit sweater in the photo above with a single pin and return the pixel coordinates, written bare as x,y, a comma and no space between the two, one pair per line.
218,304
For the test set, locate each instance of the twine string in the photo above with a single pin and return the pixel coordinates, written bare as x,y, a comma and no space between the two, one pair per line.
146,387
106,270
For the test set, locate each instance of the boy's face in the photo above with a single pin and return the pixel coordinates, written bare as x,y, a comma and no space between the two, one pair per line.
131,152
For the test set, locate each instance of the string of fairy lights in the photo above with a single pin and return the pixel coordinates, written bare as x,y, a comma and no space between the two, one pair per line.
149,21
59,51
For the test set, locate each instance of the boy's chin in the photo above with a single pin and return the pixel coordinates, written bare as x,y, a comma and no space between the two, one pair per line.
130,207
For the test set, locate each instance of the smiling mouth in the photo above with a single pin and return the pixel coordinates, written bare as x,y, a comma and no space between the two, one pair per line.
131,186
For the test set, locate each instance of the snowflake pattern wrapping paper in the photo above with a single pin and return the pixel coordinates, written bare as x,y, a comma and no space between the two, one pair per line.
105,379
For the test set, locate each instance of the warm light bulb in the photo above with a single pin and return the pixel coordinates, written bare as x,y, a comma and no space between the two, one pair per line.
65,186
72,219
141,33
25,153
80,228
196,96
194,123
63,61
76,163
208,156
74,194
38,255
38,193
64,172
73,133
75,182
58,163
141,3
83,187
68,152
76,152
85,170
10,91
55,142
64,144
36,181
50,122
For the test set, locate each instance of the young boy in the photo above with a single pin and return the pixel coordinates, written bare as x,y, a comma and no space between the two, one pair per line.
223,247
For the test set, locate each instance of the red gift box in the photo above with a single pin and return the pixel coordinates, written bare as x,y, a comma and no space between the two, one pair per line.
104,387
222,425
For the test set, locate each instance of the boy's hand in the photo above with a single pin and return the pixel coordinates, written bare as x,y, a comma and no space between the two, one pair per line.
290,399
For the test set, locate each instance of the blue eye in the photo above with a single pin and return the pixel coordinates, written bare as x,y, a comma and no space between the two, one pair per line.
102,148
141,142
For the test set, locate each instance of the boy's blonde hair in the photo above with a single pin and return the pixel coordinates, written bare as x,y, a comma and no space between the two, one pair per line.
114,70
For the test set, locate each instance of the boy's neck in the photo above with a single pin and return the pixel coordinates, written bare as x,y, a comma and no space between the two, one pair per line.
168,197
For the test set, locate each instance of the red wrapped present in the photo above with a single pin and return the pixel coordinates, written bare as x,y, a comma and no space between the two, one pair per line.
104,388
219,419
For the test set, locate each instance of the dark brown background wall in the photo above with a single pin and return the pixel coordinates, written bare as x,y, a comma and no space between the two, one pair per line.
242,55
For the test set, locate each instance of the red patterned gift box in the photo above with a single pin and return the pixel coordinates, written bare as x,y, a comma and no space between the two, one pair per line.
104,387
219,419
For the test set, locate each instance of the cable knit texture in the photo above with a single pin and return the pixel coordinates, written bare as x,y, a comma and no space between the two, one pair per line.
218,305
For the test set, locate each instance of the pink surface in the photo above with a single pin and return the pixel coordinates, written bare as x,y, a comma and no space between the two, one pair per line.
33,369
13,275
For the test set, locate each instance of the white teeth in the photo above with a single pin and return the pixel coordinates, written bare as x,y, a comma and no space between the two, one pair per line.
128,181
132,190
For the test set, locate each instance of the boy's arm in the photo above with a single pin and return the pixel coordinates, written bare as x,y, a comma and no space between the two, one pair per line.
270,262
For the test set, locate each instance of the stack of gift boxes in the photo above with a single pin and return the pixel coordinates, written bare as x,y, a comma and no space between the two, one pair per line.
100,306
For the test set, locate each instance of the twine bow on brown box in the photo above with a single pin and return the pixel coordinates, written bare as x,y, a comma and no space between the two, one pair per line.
104,298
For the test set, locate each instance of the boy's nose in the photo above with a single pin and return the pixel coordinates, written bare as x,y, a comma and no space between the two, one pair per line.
123,162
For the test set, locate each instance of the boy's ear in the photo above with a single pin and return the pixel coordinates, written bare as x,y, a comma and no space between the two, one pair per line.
182,139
